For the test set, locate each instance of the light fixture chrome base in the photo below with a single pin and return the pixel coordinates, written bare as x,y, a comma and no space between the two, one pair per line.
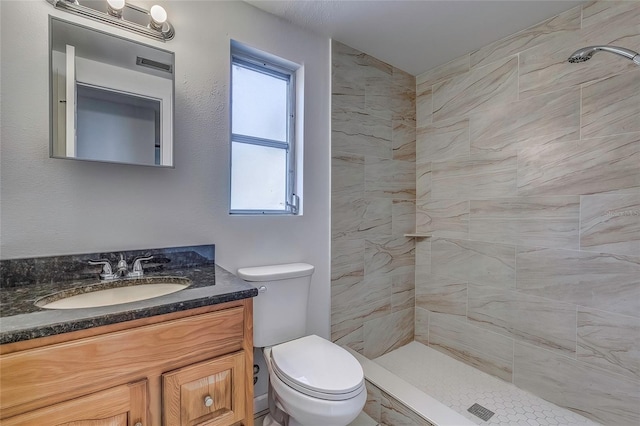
164,33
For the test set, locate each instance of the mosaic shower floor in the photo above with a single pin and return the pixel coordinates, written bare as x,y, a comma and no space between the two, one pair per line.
459,386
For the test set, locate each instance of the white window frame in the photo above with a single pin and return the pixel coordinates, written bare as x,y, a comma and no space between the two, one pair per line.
264,65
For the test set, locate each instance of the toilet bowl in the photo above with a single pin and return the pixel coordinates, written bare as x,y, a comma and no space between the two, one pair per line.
312,381
316,382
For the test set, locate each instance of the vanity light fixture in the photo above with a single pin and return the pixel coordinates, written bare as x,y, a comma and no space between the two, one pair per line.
151,23
114,7
158,17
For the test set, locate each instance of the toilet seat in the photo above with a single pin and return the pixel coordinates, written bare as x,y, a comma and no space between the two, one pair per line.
318,368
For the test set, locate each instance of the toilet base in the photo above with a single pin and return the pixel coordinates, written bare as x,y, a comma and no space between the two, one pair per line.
270,421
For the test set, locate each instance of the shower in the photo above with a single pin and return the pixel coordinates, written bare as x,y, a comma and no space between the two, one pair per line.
586,53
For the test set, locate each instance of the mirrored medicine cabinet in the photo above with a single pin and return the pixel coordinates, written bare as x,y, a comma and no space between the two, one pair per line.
111,98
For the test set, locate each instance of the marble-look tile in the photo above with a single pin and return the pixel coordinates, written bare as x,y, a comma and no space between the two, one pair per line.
377,92
598,13
346,335
543,322
523,40
544,68
403,292
403,217
347,70
609,341
611,223
476,262
394,413
481,177
393,255
441,295
347,262
443,218
423,180
553,117
598,280
535,221
387,333
424,104
611,106
443,140
480,88
374,64
389,178
421,333
423,255
403,79
360,133
403,98
354,304
489,352
588,167
355,218
607,398
444,72
374,398
403,140
347,174
363,420
347,103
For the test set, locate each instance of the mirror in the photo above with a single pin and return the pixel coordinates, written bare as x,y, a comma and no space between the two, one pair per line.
111,98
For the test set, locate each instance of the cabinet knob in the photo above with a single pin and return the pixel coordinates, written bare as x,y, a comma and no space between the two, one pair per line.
208,401
138,424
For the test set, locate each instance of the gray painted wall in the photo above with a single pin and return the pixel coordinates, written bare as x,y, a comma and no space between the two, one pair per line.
52,206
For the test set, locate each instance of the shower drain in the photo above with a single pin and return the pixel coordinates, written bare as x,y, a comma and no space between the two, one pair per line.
479,411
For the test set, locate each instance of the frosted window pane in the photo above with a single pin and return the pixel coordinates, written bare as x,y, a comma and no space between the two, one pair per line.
258,177
259,106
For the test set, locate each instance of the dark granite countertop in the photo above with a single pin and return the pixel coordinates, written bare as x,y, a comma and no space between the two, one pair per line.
21,319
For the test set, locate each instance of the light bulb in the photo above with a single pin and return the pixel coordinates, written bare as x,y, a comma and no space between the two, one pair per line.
115,7
158,16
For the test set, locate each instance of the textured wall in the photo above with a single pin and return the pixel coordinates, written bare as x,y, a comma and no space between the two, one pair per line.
528,177
56,207
373,203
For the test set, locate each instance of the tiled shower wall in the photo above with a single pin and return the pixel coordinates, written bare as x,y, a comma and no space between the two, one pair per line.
373,195
528,177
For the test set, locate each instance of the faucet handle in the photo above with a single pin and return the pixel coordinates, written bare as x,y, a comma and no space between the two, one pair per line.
138,270
107,272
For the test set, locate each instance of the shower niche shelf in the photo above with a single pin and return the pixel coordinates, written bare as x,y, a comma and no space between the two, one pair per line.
418,235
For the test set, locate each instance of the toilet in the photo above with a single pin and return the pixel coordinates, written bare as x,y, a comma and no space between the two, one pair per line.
312,381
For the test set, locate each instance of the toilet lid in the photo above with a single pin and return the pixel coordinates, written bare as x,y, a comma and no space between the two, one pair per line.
318,368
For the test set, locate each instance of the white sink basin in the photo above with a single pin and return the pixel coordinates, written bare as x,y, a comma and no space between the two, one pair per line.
113,293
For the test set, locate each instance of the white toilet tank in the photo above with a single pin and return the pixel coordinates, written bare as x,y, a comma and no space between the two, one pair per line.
280,310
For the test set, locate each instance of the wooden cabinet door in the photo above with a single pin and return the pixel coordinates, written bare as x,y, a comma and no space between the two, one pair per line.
210,393
124,405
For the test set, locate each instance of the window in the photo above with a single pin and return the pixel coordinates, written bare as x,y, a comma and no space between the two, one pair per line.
262,136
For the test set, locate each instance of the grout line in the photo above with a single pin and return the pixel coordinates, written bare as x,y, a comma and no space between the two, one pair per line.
580,223
576,333
518,75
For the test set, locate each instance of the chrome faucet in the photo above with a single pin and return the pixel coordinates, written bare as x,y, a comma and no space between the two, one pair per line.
122,269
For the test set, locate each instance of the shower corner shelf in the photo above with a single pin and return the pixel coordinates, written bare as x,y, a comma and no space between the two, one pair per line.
418,235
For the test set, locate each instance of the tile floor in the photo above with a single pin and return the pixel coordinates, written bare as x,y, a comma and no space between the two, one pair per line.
459,386
361,420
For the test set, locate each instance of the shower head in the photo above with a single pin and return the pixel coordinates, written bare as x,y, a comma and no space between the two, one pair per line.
586,53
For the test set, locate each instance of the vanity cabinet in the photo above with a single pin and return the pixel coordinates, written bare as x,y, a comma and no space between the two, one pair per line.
208,393
122,405
152,371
